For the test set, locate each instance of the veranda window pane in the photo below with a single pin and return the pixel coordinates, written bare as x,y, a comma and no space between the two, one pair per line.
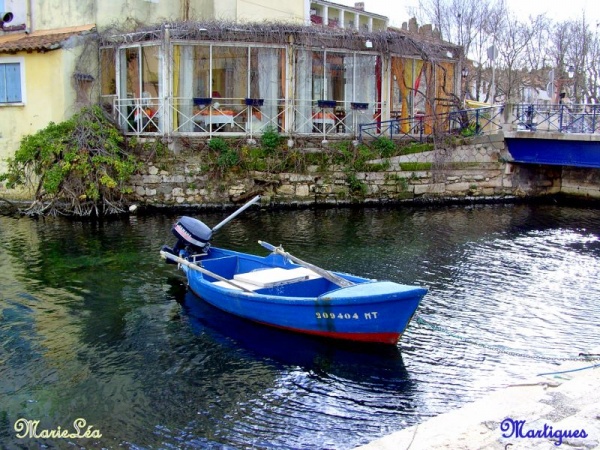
334,74
230,73
318,76
150,72
267,81
191,84
108,74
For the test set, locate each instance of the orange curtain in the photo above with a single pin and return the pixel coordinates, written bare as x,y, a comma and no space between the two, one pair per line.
402,72
445,86
430,93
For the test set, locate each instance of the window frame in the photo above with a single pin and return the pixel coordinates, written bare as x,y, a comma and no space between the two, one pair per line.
21,62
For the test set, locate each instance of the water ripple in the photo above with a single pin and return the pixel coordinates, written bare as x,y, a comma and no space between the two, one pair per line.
92,324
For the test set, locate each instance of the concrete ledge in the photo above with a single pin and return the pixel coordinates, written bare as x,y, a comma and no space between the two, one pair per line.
552,135
568,402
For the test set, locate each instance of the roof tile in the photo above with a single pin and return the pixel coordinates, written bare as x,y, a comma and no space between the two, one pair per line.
40,41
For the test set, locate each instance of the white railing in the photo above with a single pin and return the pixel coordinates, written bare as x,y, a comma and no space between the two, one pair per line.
242,116
226,115
329,117
140,115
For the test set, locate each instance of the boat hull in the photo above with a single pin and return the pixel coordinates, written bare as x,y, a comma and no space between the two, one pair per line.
369,311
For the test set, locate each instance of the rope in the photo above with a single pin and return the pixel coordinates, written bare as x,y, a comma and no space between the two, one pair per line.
568,371
506,350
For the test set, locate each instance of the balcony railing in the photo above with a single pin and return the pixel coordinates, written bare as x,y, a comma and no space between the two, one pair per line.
557,118
140,115
242,116
331,117
468,122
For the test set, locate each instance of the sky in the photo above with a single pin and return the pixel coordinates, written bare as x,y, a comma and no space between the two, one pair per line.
398,11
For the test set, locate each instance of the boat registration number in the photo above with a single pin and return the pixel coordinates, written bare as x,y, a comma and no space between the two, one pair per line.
346,316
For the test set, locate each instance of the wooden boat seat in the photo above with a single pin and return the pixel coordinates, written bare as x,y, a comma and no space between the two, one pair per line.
266,278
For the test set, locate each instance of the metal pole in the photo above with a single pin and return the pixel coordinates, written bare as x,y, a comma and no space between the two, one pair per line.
560,118
236,213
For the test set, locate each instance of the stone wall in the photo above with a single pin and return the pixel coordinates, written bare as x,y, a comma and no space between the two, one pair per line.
476,170
580,182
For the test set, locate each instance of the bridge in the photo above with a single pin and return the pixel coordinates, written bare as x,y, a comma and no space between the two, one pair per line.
563,135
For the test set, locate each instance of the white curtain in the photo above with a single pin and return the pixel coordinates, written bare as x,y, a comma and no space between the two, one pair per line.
365,71
186,88
303,121
126,103
349,75
268,83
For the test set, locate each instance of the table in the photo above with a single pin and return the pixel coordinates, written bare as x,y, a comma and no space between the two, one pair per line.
204,119
321,120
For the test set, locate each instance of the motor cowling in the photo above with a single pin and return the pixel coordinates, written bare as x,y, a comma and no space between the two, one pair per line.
192,235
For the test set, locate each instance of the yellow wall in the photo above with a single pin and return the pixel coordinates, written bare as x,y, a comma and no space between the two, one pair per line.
271,10
52,14
48,95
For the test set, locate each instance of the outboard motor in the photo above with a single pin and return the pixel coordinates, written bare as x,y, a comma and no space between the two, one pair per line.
192,235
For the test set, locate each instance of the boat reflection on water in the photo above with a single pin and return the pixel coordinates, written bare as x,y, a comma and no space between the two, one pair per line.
375,364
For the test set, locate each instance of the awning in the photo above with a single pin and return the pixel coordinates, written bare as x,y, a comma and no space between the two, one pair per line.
41,41
473,104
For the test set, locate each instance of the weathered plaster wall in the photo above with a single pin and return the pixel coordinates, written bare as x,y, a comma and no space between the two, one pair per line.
40,105
53,14
276,10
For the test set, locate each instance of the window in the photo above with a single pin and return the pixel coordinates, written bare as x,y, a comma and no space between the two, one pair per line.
140,107
11,80
108,72
222,77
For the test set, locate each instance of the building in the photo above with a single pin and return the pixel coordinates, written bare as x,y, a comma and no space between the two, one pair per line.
331,14
211,66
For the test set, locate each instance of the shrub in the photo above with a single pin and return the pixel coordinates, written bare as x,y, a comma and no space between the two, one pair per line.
226,156
270,139
356,186
77,167
384,146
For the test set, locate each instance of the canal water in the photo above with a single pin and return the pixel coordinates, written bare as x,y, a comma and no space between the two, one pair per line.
94,326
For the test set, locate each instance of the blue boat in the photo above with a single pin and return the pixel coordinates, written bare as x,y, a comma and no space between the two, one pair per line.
284,291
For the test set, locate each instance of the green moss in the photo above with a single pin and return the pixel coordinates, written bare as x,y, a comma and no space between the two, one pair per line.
415,166
417,147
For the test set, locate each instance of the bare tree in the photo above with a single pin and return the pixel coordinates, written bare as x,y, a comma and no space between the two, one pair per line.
471,24
514,38
527,50
537,46
592,68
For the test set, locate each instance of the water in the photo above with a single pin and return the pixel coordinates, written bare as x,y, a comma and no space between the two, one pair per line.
93,325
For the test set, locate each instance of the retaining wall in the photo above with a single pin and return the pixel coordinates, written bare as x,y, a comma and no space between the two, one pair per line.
478,170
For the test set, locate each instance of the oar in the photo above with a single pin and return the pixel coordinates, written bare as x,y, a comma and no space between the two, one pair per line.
193,266
342,282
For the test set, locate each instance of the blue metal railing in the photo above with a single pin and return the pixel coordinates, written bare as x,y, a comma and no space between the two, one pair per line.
467,122
559,118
